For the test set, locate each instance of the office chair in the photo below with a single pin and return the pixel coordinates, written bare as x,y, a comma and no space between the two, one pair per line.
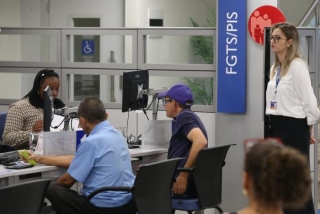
152,190
3,117
24,198
207,176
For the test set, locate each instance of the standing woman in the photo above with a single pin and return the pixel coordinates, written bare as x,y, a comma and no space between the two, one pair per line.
290,100
26,115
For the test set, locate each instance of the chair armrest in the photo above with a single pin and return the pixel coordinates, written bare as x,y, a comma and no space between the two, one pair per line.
181,169
224,163
104,189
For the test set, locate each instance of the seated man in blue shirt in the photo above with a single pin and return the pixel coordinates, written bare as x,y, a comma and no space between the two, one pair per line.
102,159
189,135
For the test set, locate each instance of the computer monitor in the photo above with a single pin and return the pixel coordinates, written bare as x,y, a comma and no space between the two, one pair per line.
134,82
47,108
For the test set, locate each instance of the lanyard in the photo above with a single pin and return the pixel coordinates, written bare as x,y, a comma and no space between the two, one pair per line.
277,82
278,77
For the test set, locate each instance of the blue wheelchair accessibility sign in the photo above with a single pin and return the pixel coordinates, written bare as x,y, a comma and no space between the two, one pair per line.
87,47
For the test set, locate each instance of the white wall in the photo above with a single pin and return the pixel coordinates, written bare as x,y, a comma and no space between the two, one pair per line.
30,13
110,12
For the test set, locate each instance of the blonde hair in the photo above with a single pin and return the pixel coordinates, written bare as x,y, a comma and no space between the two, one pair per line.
290,32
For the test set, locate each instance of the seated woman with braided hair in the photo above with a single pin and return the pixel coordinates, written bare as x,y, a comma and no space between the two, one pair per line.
275,177
26,115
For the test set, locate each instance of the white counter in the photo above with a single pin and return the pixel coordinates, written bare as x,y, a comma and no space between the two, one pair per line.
12,176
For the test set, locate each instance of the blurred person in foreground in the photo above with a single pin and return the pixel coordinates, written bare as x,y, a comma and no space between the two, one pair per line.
274,177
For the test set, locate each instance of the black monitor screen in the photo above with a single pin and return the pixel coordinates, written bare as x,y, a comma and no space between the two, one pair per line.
133,84
47,109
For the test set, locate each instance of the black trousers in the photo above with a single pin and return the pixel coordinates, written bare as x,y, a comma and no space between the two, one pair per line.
294,133
67,201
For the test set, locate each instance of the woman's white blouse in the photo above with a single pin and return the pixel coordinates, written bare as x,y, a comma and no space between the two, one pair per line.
295,97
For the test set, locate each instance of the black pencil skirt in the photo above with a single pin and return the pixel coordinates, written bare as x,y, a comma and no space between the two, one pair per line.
294,133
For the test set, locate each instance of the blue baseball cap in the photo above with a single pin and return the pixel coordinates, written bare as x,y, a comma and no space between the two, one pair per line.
180,93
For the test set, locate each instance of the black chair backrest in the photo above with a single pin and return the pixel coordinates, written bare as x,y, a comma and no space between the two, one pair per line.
24,198
208,175
153,187
3,117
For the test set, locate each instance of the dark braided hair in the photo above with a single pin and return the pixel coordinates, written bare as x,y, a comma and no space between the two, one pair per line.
34,96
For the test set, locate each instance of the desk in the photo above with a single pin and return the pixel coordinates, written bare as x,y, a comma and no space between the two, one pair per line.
149,155
13,176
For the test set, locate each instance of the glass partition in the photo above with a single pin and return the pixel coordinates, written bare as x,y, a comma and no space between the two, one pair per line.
17,48
15,83
22,85
30,47
201,87
181,49
91,61
107,85
99,48
308,47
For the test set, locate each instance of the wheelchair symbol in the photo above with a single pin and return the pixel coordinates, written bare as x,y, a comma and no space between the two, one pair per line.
87,49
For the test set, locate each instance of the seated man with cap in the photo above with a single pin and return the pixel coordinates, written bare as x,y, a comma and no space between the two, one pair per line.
189,135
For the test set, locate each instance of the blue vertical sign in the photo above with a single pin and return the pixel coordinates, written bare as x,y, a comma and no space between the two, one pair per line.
232,28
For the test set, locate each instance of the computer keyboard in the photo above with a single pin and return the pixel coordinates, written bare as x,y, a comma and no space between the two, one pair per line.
9,157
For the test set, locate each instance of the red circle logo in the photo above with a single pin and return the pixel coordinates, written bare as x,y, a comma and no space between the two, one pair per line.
262,17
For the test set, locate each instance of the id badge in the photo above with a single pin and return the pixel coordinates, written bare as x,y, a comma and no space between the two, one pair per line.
273,105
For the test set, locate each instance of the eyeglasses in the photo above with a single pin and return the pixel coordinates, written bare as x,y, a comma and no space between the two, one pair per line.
276,38
164,101
249,143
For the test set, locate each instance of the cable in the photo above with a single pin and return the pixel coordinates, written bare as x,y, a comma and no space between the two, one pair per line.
127,125
145,113
72,129
154,97
66,123
55,127
145,109
157,109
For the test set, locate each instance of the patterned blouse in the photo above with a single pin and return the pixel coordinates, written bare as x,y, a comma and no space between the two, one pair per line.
20,119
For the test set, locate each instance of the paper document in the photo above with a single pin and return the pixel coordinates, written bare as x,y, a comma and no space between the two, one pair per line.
59,143
156,133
